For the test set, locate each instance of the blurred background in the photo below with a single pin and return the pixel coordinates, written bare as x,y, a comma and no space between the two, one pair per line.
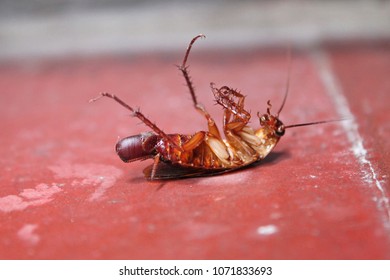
62,27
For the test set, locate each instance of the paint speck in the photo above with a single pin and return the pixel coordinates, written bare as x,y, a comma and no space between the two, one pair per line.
100,176
313,176
39,195
276,215
26,233
41,191
267,230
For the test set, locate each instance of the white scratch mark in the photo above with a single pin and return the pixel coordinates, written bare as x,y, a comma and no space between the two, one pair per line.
351,129
267,230
26,233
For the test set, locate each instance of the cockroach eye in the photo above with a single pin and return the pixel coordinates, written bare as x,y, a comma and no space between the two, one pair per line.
280,131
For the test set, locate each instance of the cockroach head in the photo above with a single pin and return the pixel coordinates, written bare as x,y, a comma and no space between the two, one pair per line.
271,122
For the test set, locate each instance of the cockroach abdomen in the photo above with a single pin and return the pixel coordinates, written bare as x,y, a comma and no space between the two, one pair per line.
137,147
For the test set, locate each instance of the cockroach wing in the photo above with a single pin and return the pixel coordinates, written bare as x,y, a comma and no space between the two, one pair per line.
169,171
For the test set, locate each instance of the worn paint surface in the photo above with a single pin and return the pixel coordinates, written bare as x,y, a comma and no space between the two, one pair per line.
323,192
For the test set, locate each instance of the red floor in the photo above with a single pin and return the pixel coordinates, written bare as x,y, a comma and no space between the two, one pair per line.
322,193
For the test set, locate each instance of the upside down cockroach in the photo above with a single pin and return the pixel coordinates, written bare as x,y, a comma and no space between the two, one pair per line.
205,153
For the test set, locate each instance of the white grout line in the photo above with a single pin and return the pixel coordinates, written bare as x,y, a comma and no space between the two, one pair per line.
351,129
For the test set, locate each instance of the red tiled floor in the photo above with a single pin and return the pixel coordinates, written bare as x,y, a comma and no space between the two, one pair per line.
65,194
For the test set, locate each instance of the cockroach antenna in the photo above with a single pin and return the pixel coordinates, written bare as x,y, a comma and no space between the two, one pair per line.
287,80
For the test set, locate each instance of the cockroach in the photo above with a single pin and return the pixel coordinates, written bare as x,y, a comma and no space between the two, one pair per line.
205,153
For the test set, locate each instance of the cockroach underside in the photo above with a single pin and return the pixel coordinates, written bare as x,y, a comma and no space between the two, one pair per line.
205,153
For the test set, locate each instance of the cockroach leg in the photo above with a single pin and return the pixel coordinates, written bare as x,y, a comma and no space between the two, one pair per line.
212,127
183,68
189,48
195,141
154,168
225,97
140,116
